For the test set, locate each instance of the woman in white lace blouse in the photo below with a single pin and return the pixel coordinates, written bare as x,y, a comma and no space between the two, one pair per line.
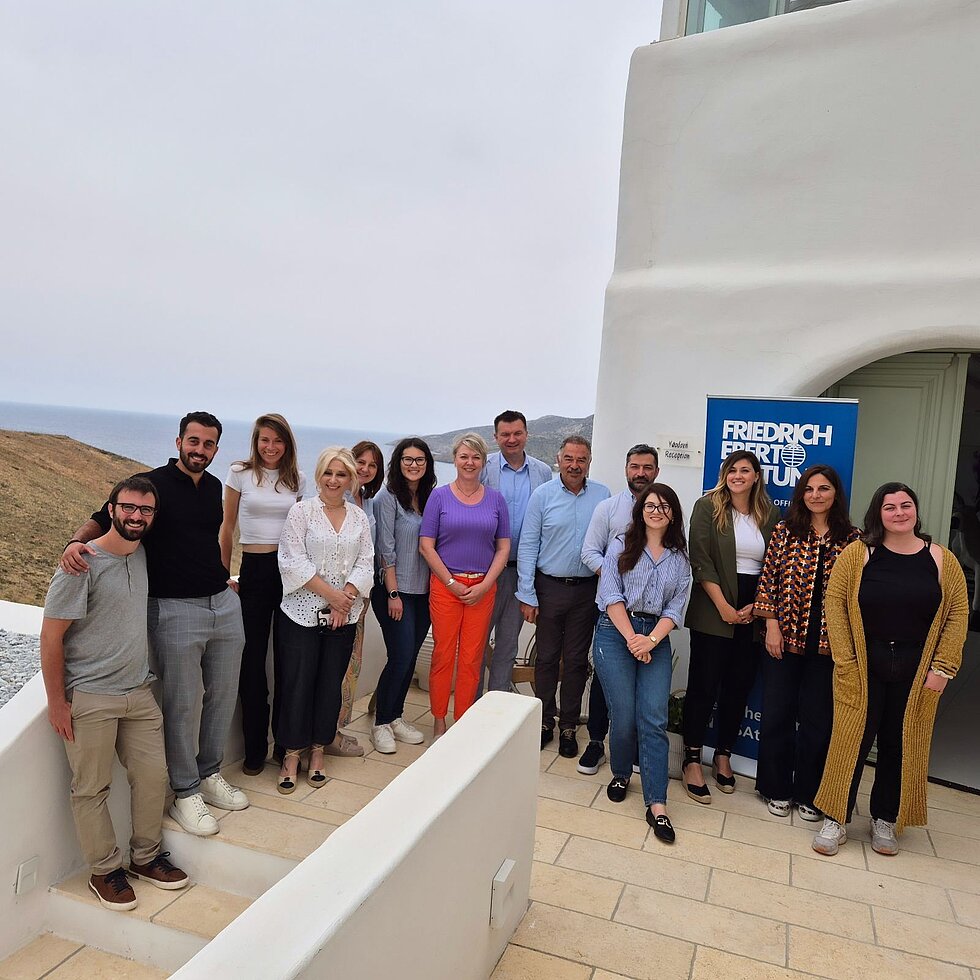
326,558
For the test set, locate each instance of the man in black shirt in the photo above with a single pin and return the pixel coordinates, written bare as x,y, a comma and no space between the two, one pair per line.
194,621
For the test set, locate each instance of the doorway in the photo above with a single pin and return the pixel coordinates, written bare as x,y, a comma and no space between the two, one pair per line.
919,422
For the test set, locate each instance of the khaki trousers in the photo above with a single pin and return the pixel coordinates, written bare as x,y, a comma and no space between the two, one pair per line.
132,726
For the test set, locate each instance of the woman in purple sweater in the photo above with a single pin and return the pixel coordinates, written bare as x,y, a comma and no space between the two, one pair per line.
465,539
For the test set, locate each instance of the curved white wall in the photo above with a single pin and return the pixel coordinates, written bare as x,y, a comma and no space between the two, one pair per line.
798,198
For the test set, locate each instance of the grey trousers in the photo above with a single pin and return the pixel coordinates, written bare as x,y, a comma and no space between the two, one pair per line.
506,626
195,642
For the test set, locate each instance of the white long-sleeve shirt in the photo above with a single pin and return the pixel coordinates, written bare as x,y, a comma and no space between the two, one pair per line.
310,546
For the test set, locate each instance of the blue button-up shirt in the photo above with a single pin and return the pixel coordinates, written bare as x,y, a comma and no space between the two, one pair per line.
516,485
554,528
611,517
658,586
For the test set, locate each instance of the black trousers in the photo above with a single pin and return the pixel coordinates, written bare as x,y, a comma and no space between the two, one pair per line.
796,689
598,711
722,669
260,591
313,663
567,616
891,670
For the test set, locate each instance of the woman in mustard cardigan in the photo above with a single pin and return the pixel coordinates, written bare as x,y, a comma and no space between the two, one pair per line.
897,616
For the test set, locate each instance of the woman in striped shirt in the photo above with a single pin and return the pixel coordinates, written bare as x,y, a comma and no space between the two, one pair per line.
644,584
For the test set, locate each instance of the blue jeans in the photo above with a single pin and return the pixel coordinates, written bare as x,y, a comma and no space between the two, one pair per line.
403,640
637,696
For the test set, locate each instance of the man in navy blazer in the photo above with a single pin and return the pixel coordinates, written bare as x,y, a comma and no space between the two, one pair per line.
516,475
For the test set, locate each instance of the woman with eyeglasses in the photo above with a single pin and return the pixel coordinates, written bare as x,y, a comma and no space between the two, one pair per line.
644,584
370,473
465,541
797,698
730,529
259,492
401,598
897,614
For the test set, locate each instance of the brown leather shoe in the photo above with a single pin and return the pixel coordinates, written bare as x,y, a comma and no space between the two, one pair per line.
160,872
114,890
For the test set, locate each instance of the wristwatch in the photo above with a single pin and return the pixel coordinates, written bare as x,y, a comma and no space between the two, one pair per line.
451,582
394,594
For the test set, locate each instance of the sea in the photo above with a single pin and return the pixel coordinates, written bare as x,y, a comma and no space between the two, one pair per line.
150,439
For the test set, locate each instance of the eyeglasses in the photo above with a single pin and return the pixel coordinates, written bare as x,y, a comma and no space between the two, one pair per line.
657,509
145,509
413,460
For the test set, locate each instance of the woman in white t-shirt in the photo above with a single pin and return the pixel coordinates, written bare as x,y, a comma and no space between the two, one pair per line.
730,528
258,494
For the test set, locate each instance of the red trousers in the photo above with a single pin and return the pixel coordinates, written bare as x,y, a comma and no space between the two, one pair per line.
459,638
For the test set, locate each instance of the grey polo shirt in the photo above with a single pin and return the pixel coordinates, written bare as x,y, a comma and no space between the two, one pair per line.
106,646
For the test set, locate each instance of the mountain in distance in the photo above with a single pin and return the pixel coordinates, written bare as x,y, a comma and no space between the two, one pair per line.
545,435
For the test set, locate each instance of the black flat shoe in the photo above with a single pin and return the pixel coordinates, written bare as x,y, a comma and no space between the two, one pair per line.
662,827
616,790
725,783
700,794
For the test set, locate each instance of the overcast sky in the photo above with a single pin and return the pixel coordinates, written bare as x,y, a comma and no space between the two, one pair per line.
379,215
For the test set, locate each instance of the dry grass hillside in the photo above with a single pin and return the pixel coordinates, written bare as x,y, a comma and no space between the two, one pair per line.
48,486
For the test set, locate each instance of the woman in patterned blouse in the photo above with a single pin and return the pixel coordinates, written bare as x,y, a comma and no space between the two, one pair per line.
798,673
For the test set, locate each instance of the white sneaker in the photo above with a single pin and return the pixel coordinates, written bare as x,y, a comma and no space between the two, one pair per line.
217,791
405,732
830,837
883,839
383,738
193,815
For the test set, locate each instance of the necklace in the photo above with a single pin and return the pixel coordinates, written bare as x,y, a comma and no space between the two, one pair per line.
463,492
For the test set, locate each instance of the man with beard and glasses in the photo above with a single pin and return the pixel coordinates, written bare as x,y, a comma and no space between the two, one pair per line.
194,621
97,678
611,518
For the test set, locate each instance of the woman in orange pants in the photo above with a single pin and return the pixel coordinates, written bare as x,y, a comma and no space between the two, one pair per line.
465,539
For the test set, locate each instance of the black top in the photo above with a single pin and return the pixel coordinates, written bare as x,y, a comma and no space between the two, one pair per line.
183,557
899,595
812,646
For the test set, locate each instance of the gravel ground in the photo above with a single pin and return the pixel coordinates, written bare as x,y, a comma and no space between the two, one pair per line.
19,662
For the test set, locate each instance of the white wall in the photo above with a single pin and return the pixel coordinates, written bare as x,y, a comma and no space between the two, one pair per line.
403,889
798,198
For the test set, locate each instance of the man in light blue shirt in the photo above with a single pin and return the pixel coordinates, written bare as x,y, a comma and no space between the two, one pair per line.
557,590
516,475
611,518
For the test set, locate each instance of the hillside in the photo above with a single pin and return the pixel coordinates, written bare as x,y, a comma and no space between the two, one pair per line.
544,436
48,486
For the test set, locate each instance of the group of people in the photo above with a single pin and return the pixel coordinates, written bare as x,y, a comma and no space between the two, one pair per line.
861,631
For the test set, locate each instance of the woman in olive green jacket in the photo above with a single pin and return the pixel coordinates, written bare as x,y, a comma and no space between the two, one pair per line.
730,530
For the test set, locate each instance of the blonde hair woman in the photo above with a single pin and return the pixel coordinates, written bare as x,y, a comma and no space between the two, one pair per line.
465,540
730,530
258,494
326,558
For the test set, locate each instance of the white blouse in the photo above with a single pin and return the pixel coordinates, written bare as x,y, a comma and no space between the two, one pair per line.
750,546
263,506
310,546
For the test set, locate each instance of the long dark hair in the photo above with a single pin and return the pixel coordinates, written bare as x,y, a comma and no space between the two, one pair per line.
874,529
838,517
366,446
636,533
397,484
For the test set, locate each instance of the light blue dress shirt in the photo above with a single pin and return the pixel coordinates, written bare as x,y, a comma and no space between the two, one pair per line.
651,586
611,518
397,543
516,487
554,528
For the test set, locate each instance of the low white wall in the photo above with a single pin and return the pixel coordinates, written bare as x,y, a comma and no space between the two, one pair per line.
403,889
34,811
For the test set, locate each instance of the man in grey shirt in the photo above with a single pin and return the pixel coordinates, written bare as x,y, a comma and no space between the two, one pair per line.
516,475
612,517
96,674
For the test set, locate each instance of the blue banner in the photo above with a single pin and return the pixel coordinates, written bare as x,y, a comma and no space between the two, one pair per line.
788,435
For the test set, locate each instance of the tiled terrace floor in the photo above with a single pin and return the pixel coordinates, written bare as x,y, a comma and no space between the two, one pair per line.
740,894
